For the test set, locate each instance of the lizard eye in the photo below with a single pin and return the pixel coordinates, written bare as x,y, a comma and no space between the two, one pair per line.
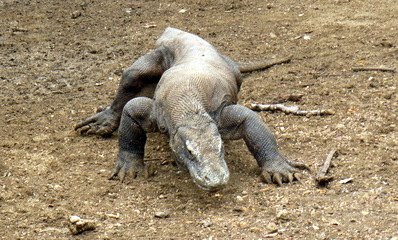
190,150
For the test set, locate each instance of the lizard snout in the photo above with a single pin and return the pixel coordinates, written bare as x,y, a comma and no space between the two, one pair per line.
211,179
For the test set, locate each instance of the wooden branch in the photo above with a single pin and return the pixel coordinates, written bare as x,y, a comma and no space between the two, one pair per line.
321,178
289,110
373,68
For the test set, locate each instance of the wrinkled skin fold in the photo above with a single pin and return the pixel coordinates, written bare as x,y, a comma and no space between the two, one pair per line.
188,91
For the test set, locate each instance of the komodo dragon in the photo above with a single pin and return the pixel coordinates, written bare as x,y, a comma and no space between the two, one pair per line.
188,91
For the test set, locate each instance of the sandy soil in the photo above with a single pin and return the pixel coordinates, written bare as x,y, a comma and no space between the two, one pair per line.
60,60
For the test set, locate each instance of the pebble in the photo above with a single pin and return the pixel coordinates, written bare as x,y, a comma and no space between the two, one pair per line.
243,225
272,227
74,219
283,215
239,198
75,14
272,35
255,229
41,138
206,223
347,180
162,214
78,225
340,126
115,216
334,222
240,209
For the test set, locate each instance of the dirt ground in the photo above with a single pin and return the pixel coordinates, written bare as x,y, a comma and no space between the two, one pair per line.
60,60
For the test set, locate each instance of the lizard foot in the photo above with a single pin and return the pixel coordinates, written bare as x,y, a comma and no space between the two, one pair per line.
127,168
103,123
282,170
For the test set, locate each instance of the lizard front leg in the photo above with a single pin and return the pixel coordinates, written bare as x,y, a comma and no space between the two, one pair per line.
240,122
137,120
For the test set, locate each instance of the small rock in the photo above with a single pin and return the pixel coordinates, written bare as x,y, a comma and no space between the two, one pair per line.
386,44
57,187
271,235
255,229
347,180
272,227
162,214
74,219
373,84
78,225
239,198
272,35
243,225
182,10
41,138
334,222
283,215
20,30
115,216
150,26
340,126
348,85
389,95
364,213
75,14
206,223
240,209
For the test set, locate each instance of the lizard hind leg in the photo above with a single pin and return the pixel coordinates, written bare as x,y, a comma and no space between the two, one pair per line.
139,80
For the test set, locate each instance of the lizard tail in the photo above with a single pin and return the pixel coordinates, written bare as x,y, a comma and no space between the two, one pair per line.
260,65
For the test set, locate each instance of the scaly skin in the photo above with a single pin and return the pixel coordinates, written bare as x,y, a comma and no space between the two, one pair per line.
187,90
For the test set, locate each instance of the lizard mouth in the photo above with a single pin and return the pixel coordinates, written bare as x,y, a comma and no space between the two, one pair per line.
210,181
209,188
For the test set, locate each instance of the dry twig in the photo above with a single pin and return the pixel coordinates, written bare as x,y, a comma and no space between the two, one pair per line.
373,68
321,178
289,110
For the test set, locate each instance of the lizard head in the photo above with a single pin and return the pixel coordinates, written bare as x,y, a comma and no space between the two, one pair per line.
199,148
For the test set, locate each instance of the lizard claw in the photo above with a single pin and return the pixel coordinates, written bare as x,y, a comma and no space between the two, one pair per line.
123,175
277,178
281,170
102,123
129,167
266,177
290,177
297,176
